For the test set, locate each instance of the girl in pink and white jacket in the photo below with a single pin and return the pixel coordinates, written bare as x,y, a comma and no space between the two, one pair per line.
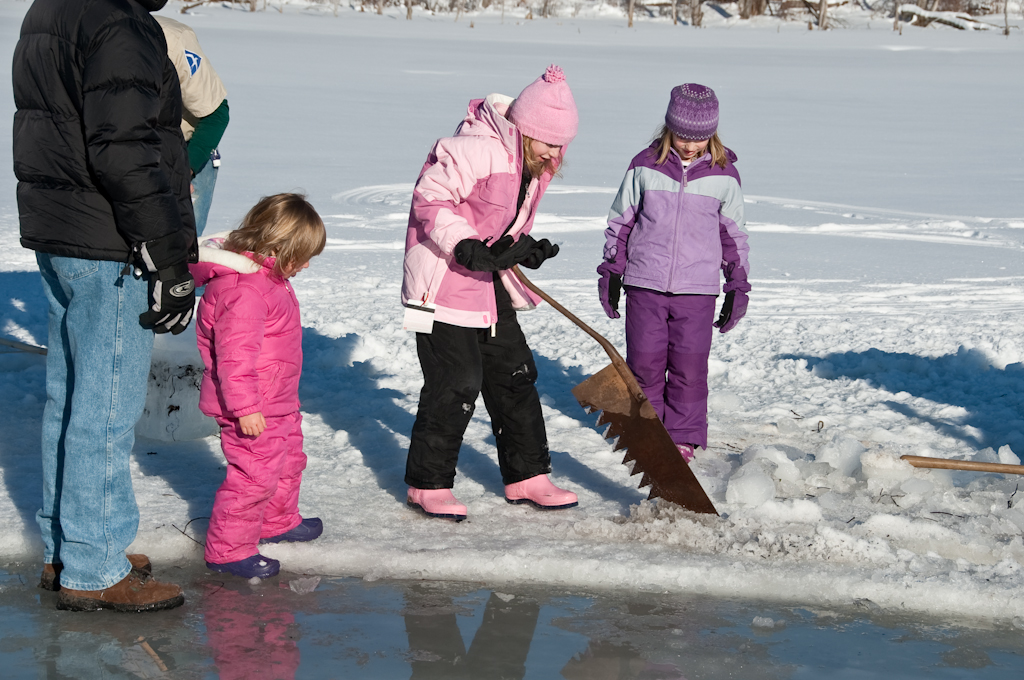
250,338
472,210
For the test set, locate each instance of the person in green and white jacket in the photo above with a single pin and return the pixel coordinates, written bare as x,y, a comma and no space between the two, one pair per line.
204,112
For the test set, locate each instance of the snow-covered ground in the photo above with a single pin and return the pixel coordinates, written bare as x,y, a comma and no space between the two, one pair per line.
884,175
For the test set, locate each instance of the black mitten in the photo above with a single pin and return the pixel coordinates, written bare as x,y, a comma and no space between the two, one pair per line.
541,251
503,254
473,255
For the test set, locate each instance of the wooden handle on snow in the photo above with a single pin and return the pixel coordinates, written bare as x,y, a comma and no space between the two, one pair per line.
22,346
609,348
944,464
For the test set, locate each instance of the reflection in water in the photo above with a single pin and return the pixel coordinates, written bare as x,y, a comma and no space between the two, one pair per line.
293,627
658,637
498,650
610,661
110,657
250,636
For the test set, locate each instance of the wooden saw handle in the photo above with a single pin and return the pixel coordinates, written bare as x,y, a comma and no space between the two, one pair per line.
944,464
609,348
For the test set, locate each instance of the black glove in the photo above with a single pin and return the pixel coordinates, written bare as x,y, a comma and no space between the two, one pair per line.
542,250
172,296
503,254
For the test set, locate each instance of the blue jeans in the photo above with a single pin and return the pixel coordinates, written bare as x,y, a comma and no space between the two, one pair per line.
202,196
97,367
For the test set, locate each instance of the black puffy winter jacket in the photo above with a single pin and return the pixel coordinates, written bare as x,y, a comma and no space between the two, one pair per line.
98,151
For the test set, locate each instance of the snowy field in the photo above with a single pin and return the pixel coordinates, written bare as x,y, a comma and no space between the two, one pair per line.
883,175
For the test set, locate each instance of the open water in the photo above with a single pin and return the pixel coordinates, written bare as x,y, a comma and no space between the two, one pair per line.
301,626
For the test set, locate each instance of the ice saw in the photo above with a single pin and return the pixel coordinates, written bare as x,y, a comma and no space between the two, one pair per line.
615,392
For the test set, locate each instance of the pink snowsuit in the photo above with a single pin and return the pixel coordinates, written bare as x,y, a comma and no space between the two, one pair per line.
250,338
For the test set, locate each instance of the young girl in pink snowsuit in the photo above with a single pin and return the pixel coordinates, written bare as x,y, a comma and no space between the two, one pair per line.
250,338
675,223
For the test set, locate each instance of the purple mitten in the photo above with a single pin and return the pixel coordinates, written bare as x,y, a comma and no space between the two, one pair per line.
733,309
609,286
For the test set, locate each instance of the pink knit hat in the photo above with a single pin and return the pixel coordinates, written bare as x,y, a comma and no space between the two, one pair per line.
545,110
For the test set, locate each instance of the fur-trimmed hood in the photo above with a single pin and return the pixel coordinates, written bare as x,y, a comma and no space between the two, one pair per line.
215,261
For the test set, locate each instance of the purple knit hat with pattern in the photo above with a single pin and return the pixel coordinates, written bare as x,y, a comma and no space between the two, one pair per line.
692,112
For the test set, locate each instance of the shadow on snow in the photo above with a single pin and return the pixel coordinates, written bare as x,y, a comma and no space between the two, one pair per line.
23,389
987,402
555,383
345,394
347,397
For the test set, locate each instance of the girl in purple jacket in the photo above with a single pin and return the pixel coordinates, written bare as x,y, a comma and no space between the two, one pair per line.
250,338
472,209
676,221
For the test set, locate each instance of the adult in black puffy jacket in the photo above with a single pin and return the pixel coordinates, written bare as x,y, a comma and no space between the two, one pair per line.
103,197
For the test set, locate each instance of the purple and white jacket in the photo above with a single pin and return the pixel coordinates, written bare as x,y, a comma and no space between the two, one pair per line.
672,227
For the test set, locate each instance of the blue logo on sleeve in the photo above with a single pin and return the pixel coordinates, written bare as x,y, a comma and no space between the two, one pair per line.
193,62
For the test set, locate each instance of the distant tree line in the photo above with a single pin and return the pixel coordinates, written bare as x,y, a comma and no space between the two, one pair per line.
688,11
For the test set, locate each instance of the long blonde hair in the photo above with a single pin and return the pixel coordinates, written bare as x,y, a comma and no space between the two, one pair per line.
284,226
715,147
536,166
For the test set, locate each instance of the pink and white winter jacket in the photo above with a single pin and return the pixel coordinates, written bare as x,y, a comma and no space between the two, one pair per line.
468,188
249,334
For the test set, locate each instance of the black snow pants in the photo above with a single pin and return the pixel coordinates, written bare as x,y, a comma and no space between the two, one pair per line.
458,363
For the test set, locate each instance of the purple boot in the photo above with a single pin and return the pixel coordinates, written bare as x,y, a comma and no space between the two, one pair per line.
307,530
256,566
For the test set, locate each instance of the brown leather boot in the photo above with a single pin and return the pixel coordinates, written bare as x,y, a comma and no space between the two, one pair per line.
50,579
130,594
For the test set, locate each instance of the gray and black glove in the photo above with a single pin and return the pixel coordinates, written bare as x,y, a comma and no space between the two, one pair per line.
172,296
172,291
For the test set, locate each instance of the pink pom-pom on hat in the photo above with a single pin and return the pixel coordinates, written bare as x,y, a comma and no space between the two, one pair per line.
554,74
545,110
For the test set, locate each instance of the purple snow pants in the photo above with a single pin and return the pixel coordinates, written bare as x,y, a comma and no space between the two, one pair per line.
668,340
260,494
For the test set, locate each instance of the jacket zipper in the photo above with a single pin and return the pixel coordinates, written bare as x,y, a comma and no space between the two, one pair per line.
513,165
678,226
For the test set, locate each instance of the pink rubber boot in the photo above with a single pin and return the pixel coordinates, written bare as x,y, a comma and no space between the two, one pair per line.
437,503
687,451
541,493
